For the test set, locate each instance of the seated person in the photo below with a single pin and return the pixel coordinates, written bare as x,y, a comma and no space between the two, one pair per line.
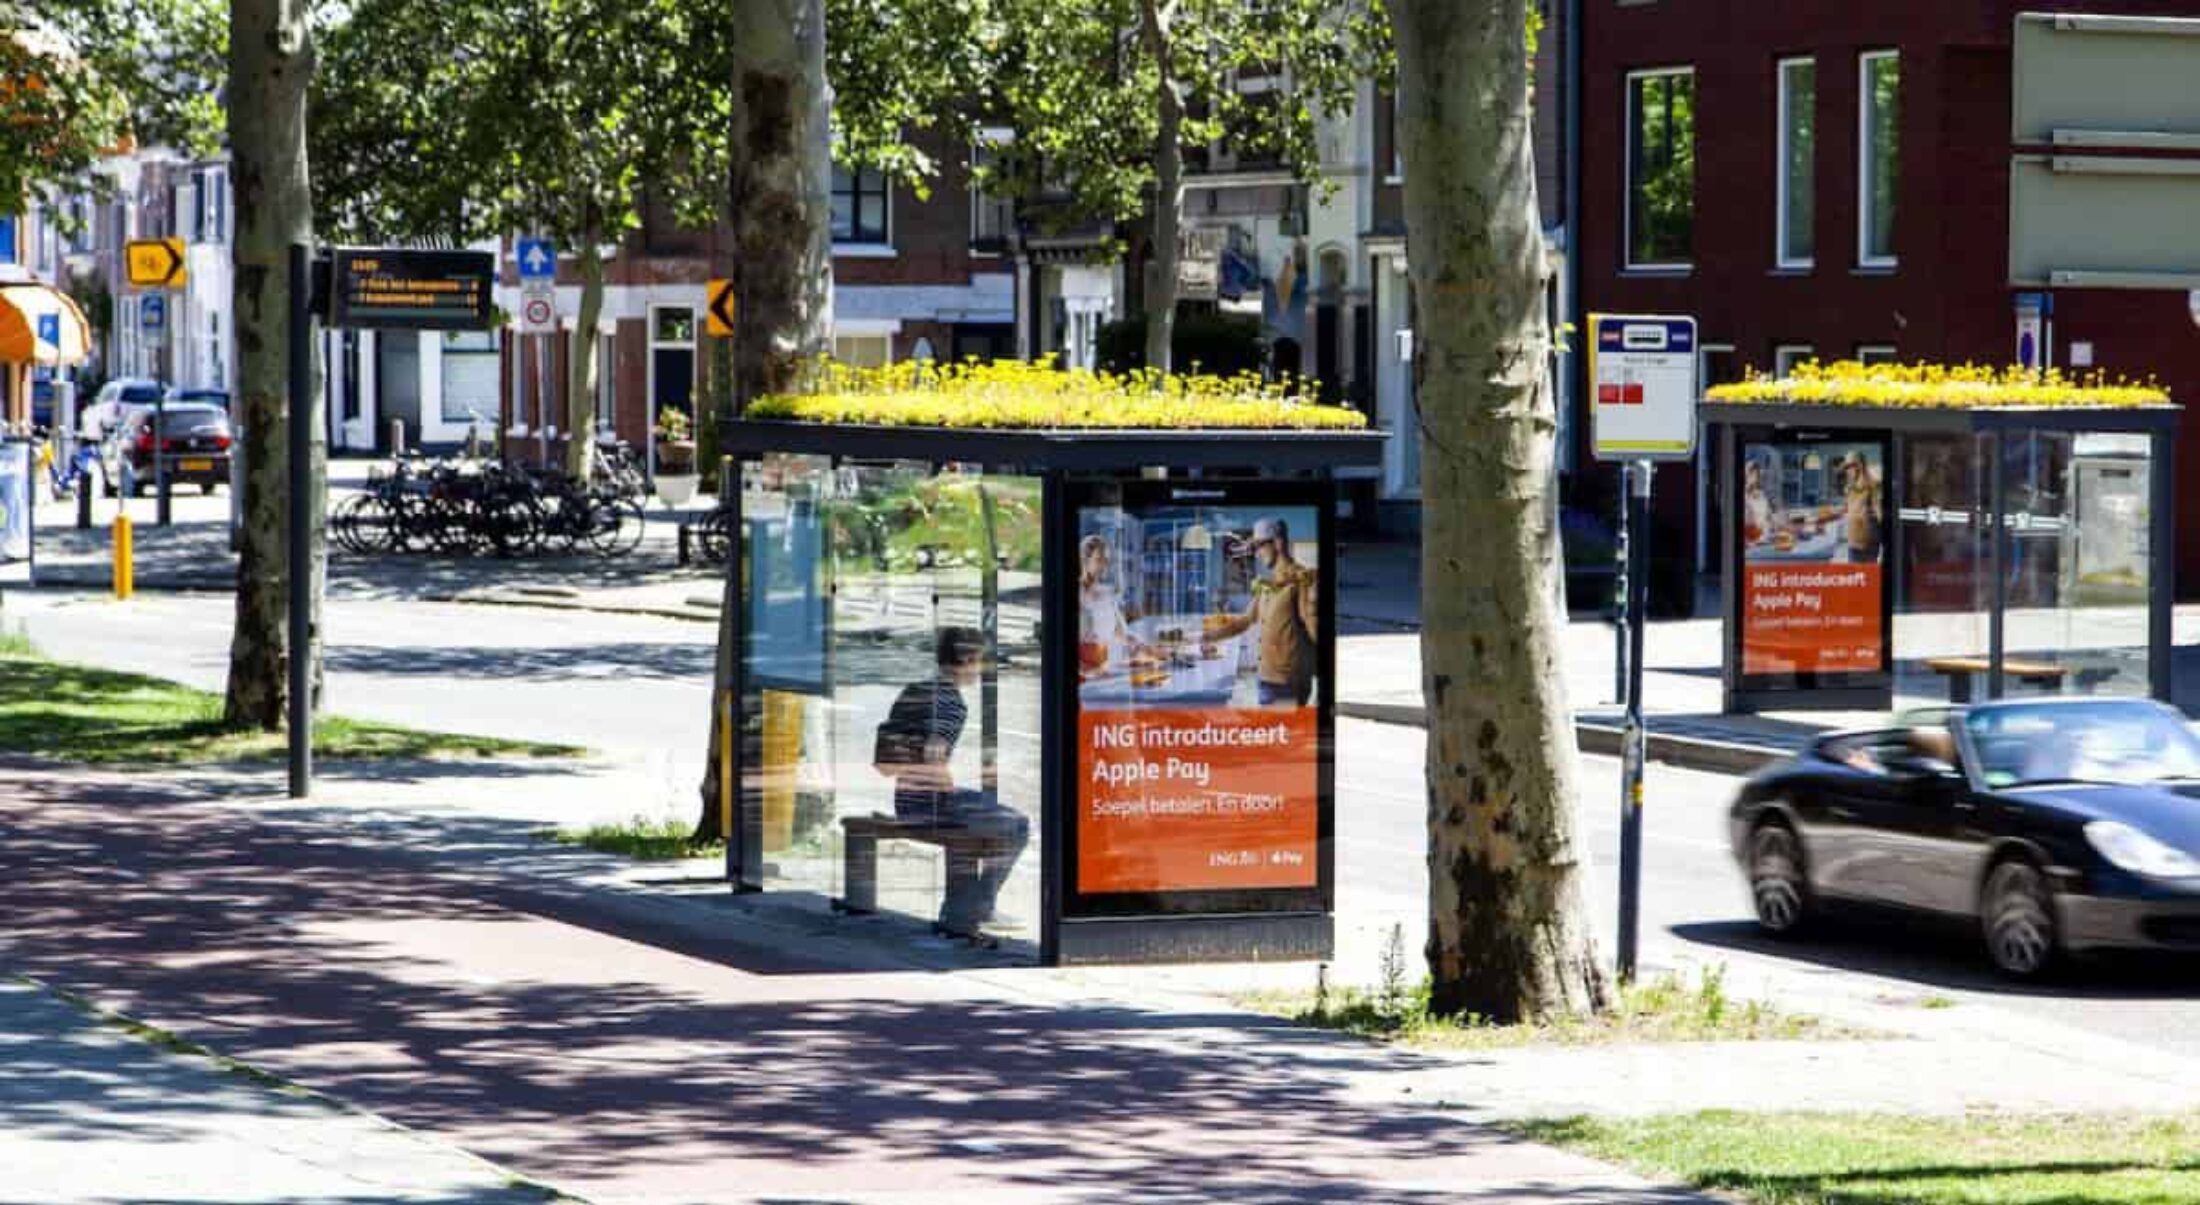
915,743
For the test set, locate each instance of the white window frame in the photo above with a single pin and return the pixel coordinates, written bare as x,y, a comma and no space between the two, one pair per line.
1785,356
1864,61
1627,181
1785,200
1884,352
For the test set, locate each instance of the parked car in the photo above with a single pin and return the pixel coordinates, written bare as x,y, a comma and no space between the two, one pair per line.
104,413
195,436
212,397
2052,826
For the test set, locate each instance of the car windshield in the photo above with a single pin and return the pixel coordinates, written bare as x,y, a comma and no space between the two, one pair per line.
142,395
2128,740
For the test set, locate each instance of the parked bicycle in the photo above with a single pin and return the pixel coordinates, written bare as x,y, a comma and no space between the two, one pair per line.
460,506
65,480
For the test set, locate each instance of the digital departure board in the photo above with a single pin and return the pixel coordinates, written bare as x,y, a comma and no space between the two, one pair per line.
389,289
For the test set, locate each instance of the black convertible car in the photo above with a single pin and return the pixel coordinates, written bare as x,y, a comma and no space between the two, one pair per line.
2055,826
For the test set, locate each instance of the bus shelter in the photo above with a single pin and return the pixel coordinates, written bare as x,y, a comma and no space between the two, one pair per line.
1070,691
1923,542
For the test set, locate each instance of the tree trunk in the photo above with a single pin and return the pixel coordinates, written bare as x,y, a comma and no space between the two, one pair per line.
580,384
1155,17
1508,937
780,196
270,67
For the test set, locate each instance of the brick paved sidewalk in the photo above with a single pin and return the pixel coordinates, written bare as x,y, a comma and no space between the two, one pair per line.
91,1115
689,1049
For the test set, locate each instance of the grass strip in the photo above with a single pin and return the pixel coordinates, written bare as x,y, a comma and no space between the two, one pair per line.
642,839
1878,1159
79,713
1665,1009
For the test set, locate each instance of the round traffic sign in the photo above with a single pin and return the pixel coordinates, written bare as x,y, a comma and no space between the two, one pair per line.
538,311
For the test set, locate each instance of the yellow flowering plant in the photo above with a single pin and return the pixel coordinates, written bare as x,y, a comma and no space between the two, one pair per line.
1019,395
1942,386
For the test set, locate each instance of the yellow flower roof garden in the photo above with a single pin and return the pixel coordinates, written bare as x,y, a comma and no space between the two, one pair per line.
1015,395
1940,386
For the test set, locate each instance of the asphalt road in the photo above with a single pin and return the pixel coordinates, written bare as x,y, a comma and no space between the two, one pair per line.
635,683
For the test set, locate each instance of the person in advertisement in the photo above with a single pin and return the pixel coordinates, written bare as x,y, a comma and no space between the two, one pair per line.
1860,501
914,746
1103,635
1284,609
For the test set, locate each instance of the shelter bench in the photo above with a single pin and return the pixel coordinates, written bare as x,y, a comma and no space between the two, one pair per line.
1961,670
860,836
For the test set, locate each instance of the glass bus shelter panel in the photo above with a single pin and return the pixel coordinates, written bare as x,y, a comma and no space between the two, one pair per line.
787,668
2076,565
1945,594
931,688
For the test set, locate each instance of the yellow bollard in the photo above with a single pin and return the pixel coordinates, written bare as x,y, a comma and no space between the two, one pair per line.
782,756
125,570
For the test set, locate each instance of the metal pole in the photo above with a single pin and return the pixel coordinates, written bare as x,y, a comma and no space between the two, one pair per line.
1637,750
301,542
160,458
1622,595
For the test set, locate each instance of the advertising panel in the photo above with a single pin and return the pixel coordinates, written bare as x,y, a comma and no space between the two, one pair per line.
1201,743
1814,596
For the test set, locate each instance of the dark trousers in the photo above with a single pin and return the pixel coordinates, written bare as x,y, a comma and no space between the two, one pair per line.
975,873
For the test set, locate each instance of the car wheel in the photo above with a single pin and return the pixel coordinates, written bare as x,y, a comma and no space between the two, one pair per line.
206,489
1778,886
2017,913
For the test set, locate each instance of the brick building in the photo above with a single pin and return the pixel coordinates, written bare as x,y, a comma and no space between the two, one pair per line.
1835,181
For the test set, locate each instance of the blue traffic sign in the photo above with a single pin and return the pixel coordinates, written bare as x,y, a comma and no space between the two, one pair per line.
537,259
49,329
153,311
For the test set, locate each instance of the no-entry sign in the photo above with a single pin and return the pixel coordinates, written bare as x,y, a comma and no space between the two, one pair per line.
1642,380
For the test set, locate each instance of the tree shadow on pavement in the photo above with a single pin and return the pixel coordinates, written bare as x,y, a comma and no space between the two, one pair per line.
618,660
447,999
1950,956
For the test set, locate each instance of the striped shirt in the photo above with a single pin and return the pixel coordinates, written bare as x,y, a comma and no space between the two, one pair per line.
925,713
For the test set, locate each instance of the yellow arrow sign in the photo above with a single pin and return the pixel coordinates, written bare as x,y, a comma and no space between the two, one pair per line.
718,320
156,263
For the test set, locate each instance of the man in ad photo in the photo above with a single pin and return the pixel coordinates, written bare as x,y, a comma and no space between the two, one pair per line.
1284,612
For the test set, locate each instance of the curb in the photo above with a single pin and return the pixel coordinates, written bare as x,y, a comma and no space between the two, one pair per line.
540,603
1685,752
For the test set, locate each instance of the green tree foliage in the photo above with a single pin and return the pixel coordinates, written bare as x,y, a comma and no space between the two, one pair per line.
469,119
1103,96
82,79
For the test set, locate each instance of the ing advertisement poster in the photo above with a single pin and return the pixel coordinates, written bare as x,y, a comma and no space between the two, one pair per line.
1201,745
1813,551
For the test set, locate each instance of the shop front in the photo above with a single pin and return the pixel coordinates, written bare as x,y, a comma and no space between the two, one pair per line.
1026,689
1896,550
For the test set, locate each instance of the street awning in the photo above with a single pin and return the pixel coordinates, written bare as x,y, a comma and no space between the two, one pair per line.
40,325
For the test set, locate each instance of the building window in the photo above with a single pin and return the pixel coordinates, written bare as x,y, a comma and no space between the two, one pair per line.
864,351
1786,356
1879,153
1661,167
1798,156
471,367
859,206
1875,353
992,216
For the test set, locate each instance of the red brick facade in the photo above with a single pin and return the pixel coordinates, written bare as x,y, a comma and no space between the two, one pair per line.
1948,298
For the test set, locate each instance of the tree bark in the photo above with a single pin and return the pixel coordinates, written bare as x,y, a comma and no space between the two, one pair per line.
1508,937
1156,18
581,367
270,68
779,198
